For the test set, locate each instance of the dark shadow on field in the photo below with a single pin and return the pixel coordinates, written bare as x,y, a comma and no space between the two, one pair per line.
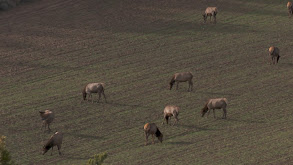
95,101
77,135
244,121
180,143
196,127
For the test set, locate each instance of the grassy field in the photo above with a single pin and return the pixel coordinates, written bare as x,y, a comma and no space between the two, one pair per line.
51,49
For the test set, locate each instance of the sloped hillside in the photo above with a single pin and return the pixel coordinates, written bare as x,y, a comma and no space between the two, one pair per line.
50,49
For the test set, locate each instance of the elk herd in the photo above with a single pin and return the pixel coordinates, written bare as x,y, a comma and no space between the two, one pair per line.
169,111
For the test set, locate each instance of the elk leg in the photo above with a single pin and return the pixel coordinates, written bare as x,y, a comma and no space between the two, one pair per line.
52,151
176,120
166,118
224,113
177,85
49,128
208,113
104,96
59,147
99,97
92,98
191,85
214,113
146,138
45,126
153,138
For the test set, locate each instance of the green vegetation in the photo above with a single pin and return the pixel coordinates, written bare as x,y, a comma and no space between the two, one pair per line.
51,49
98,159
5,158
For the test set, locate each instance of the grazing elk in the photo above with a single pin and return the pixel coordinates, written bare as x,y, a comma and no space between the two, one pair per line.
94,88
55,140
182,77
210,11
152,129
212,104
290,8
169,111
47,117
274,52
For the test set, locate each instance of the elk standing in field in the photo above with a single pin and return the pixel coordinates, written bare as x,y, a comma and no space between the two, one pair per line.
152,129
94,88
55,140
290,8
212,104
182,77
169,111
210,11
274,52
47,117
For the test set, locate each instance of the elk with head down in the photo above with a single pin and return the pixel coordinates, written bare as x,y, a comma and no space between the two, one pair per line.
210,11
182,77
152,129
171,110
274,52
212,104
94,88
55,140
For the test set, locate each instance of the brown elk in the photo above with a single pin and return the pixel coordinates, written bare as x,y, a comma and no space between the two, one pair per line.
211,12
169,111
212,104
94,88
55,140
152,129
274,52
182,77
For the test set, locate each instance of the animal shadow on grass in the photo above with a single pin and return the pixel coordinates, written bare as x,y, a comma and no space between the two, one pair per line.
196,127
180,143
95,101
245,121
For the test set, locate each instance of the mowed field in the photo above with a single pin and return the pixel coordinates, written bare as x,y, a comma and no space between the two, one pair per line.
51,49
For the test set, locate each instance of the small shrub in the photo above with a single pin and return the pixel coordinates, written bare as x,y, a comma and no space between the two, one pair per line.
5,158
98,159
4,6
